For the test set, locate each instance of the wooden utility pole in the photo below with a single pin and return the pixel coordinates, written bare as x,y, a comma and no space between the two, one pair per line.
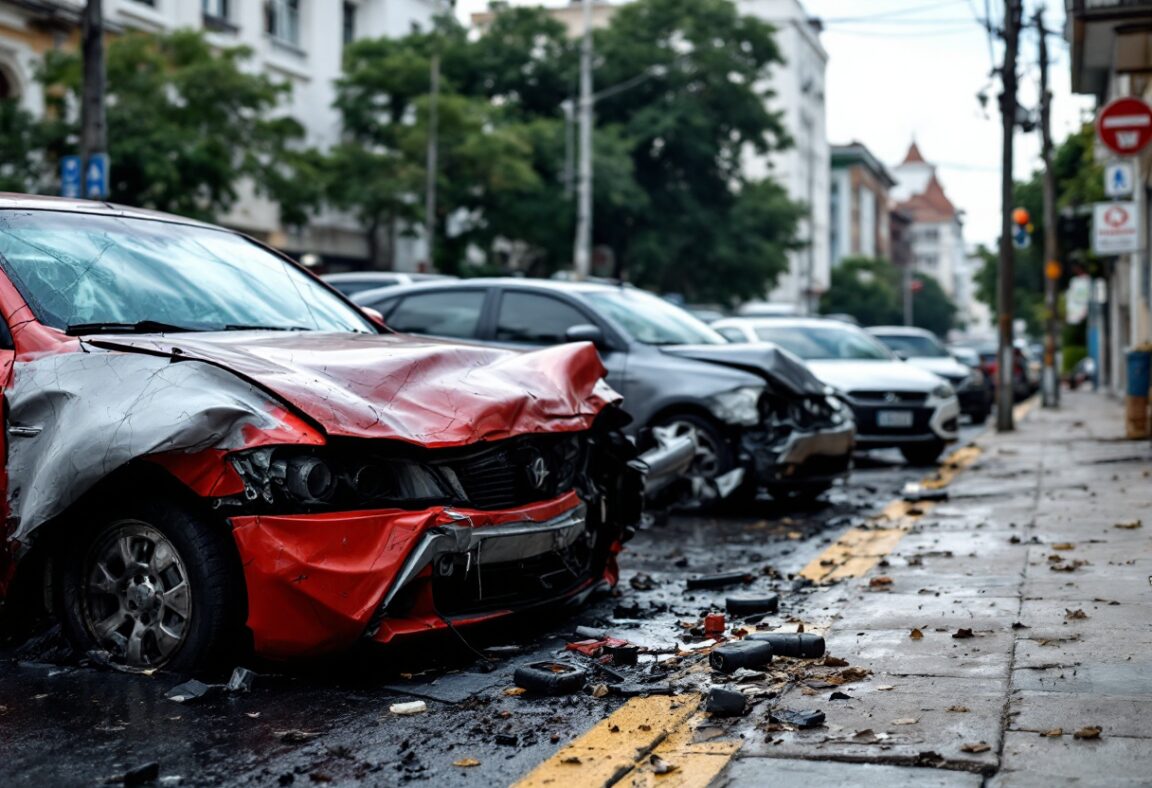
1005,306
1051,380
93,129
582,247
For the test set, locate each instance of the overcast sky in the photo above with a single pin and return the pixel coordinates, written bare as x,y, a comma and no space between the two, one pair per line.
904,69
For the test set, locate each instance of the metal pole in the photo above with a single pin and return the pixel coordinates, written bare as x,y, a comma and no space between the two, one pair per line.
906,286
582,253
1051,378
433,163
1006,355
93,128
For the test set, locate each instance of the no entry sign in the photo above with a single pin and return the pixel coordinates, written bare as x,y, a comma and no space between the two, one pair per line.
1125,126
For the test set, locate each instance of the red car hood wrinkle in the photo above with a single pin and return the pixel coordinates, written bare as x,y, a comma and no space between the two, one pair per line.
422,391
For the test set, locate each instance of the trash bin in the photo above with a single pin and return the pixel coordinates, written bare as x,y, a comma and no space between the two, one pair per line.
1139,374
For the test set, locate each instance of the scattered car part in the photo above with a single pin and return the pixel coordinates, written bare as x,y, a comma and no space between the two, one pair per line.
721,580
714,625
634,690
751,605
241,680
550,678
730,657
623,655
812,718
191,690
914,492
802,645
724,702
408,708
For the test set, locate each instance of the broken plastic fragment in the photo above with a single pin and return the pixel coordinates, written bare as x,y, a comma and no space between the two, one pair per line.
411,707
724,702
751,605
811,718
192,690
1088,732
796,644
740,654
719,580
241,681
979,746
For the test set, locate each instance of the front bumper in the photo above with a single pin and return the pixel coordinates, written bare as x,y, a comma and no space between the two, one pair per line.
975,400
319,583
818,456
933,420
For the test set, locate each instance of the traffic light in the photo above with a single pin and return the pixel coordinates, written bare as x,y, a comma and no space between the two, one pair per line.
1022,228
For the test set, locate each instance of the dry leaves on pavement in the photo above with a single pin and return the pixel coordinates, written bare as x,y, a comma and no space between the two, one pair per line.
465,763
1074,615
979,746
1088,732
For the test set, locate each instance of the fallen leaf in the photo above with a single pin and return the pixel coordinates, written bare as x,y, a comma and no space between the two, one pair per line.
1019,625
794,535
514,692
465,763
960,634
906,721
957,709
886,687
572,759
1077,614
976,747
600,690
834,662
854,674
916,634
1130,525
1055,558
1064,546
661,766
880,582
1088,732
1053,733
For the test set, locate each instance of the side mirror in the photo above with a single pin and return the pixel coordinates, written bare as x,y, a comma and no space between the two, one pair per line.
374,314
901,354
586,332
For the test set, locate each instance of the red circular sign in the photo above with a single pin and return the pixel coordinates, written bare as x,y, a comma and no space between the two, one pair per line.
1116,216
1125,126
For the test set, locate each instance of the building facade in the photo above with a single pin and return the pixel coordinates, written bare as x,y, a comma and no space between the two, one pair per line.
937,231
859,220
300,42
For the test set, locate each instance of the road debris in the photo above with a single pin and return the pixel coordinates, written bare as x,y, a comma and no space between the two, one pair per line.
661,766
1088,732
141,775
883,581
810,718
800,645
962,633
466,763
740,654
714,625
296,736
957,709
751,605
914,492
192,690
916,634
906,721
1053,733
1129,525
642,581
1074,615
550,678
839,696
241,681
721,580
975,747
408,708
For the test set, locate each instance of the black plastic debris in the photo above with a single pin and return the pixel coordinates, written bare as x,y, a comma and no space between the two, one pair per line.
642,581
803,645
751,605
730,657
724,702
721,580
915,492
141,775
507,739
810,718
192,690
633,690
550,678
241,681
839,696
623,655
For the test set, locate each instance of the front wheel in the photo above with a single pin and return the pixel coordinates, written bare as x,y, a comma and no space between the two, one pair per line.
153,585
713,457
923,453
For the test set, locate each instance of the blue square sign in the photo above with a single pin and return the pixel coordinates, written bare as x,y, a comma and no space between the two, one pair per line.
71,177
96,177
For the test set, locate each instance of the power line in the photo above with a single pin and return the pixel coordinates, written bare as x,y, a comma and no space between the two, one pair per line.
894,13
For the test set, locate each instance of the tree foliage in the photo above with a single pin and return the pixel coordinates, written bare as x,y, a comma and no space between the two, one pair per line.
20,148
870,290
186,120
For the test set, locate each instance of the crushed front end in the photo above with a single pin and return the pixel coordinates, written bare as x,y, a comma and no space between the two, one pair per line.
374,539
803,443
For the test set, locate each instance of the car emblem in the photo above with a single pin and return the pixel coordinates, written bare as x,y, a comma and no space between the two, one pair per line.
891,398
537,472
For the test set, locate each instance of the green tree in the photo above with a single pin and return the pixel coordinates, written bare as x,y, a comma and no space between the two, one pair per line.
20,144
187,121
870,290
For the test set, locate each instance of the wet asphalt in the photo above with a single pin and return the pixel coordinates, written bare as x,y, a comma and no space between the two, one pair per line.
69,723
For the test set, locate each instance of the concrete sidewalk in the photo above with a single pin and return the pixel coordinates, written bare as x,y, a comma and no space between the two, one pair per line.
1029,588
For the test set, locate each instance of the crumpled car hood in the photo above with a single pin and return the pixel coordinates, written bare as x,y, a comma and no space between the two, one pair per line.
762,358
422,391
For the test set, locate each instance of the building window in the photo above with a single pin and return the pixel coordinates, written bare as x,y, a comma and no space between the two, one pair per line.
218,15
282,20
349,23
926,260
150,3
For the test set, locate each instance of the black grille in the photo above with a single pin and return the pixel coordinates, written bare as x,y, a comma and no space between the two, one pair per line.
901,397
866,422
520,471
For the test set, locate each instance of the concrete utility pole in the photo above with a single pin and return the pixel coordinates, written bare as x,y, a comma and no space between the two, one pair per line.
582,251
1051,379
1005,306
906,287
432,163
93,128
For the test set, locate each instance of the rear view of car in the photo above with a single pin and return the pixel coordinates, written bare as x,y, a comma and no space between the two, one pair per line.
895,404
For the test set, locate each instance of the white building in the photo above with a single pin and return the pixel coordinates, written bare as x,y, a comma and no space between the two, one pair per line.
802,169
937,232
297,41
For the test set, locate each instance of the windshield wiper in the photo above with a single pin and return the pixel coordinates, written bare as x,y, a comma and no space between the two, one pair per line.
139,327
244,327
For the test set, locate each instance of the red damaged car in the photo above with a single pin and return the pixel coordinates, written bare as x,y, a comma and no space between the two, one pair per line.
205,444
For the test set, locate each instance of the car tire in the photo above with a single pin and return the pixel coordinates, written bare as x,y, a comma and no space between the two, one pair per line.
550,678
153,585
923,453
714,456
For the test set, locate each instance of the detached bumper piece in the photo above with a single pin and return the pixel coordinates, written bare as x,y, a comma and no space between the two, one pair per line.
819,456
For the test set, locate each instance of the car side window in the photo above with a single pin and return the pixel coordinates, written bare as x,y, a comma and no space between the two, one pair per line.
732,334
451,313
536,319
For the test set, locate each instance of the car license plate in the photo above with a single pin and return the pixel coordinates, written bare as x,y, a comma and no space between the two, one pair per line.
894,418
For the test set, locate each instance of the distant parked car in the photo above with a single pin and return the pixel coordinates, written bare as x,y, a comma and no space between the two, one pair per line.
923,349
1025,379
968,357
358,281
757,411
895,404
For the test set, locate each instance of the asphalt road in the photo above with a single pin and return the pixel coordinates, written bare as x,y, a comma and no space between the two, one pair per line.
68,724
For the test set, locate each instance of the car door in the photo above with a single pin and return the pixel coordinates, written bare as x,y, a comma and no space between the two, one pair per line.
526,319
453,313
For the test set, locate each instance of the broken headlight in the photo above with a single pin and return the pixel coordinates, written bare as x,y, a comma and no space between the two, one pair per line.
738,406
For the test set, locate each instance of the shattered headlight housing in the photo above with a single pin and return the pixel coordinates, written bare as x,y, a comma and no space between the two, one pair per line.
738,406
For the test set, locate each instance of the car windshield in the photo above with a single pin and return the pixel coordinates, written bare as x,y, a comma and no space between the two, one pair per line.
653,320
914,345
87,274
822,343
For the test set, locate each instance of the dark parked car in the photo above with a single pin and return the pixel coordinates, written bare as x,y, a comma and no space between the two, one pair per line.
352,282
206,445
921,348
754,412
